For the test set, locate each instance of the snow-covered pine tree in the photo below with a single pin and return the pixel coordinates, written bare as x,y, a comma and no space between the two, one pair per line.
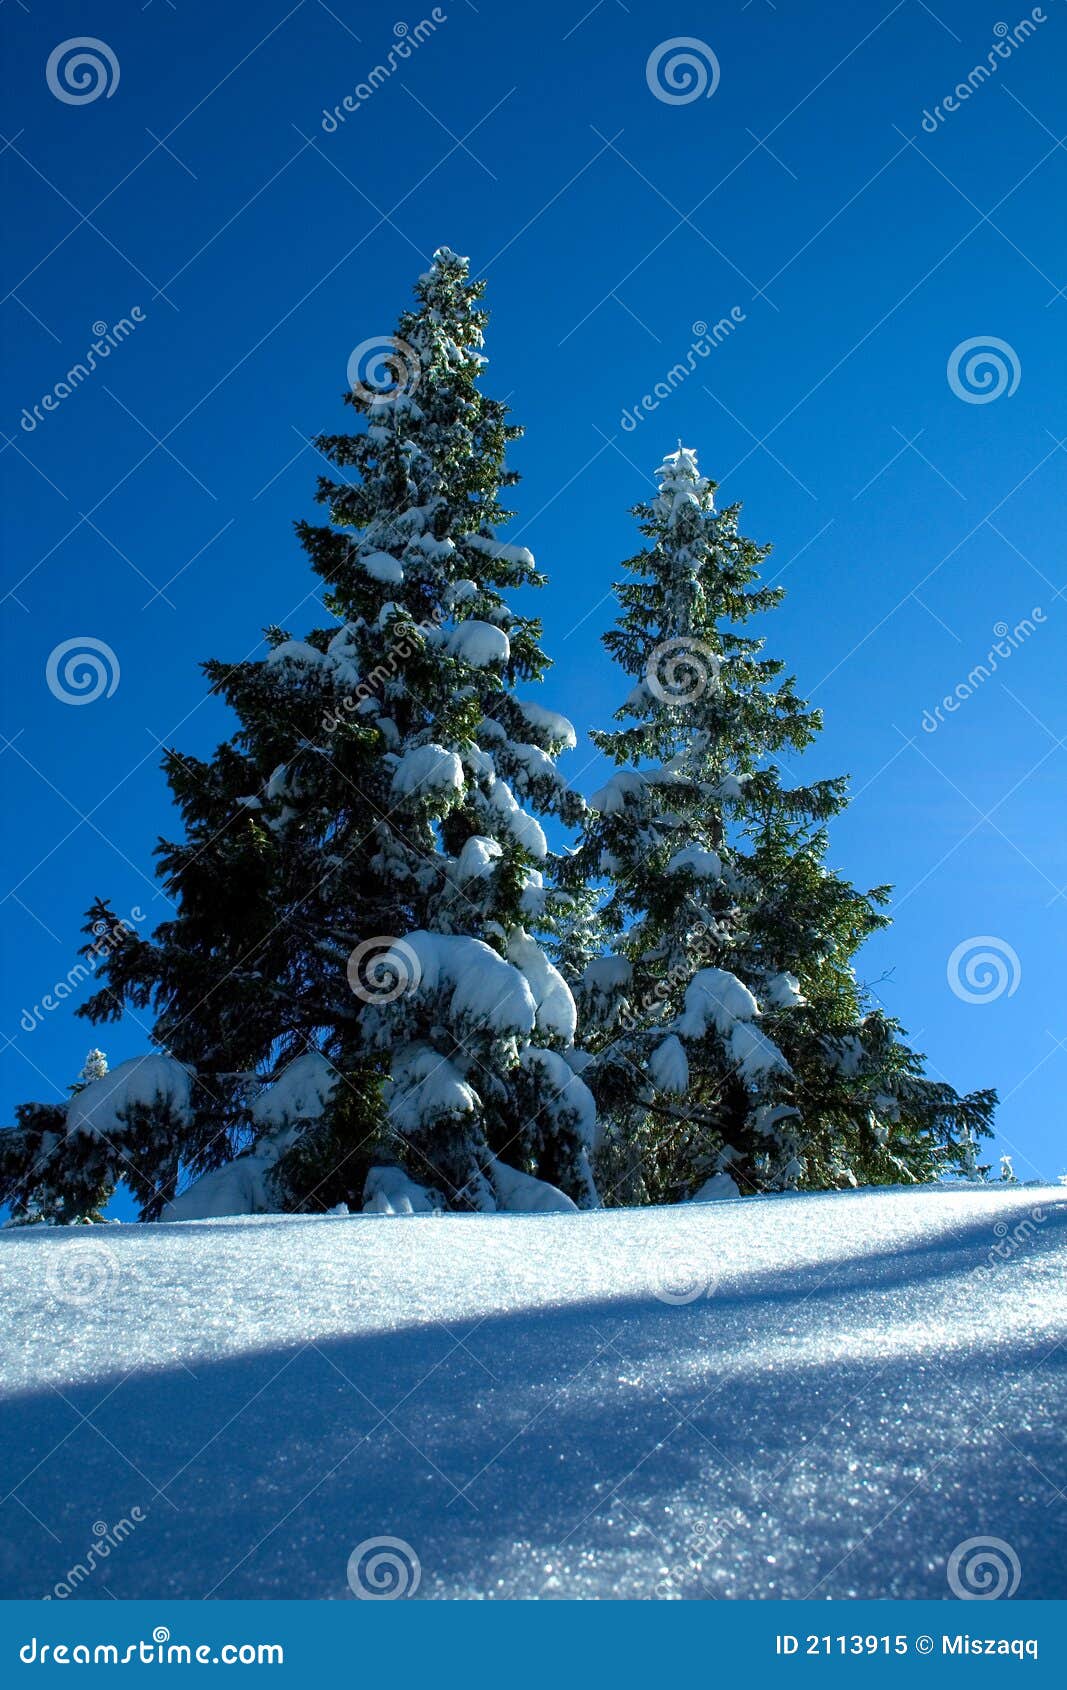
475,1049
25,1155
732,1041
352,992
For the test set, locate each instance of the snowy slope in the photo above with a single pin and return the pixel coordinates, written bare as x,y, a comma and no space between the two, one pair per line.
774,1397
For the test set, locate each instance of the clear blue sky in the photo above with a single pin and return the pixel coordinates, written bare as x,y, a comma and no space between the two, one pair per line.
151,509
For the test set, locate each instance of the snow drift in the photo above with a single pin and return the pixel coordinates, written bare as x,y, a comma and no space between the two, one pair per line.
774,1397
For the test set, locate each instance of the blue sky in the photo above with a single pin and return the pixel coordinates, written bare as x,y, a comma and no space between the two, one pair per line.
913,515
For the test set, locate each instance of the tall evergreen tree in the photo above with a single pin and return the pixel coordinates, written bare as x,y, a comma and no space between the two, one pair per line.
731,1035
353,979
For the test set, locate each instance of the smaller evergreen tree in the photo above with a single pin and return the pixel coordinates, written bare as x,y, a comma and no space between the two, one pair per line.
730,1033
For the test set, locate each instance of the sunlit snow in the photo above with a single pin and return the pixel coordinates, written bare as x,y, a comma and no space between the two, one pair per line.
775,1396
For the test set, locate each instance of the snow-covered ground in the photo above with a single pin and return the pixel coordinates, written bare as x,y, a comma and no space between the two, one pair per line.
791,1396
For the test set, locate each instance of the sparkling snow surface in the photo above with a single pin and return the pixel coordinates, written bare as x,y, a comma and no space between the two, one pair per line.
769,1397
